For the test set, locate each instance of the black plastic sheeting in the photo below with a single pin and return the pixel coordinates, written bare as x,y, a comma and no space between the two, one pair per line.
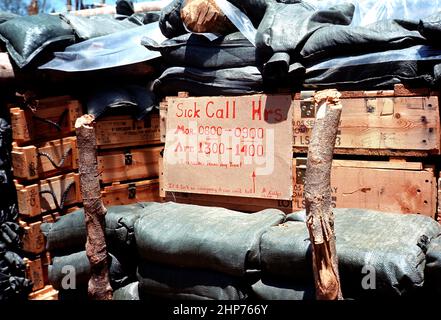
193,50
156,280
206,82
26,37
394,245
126,99
170,234
74,270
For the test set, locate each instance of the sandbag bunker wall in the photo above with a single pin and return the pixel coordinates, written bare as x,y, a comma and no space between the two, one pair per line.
45,168
387,148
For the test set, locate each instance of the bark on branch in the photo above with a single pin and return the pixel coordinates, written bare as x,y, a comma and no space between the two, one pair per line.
320,218
99,286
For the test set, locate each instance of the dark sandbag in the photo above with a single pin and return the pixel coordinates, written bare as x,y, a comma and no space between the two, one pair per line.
168,282
430,28
279,289
393,245
77,264
29,36
193,236
128,292
5,16
68,234
285,27
415,66
209,82
170,21
333,40
126,99
96,26
433,267
192,50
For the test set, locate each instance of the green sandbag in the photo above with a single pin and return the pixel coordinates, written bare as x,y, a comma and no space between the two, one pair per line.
128,292
29,36
210,238
68,234
391,245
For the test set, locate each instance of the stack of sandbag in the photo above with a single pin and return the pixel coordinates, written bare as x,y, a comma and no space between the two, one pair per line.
13,282
66,240
379,254
196,252
297,44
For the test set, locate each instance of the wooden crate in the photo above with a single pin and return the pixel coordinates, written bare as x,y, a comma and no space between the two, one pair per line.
390,186
34,199
124,131
129,164
127,193
32,239
34,272
46,293
29,124
377,123
49,158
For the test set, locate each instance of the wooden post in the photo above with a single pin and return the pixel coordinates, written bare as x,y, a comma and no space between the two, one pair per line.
94,210
320,218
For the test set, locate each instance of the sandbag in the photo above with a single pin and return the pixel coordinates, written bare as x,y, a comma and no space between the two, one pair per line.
28,36
170,21
209,82
279,289
68,234
285,27
5,16
433,267
156,280
414,66
193,236
128,292
192,50
393,244
337,40
96,26
126,99
78,263
430,28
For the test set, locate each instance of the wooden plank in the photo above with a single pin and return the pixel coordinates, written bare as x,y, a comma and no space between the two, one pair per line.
387,126
32,239
129,164
34,272
127,193
124,131
378,164
46,293
163,107
229,202
35,199
28,126
32,162
389,190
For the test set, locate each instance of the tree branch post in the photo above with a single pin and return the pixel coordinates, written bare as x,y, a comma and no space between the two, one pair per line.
99,286
319,215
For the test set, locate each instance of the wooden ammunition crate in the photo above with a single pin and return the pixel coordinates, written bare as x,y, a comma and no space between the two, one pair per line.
132,192
46,293
124,131
390,186
49,158
129,164
377,123
33,240
37,123
38,198
34,272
